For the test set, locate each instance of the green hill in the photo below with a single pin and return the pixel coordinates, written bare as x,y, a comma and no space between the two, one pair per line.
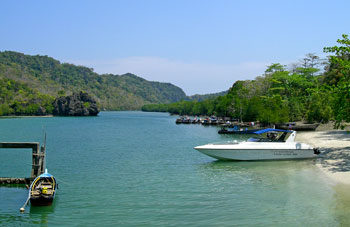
16,98
113,92
200,98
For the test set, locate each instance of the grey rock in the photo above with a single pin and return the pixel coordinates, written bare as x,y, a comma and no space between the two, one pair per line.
78,104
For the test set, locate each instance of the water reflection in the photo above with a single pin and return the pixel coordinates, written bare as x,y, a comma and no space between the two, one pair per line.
40,214
281,190
12,198
257,165
266,174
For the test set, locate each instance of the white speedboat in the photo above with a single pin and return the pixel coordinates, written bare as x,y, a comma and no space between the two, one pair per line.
278,145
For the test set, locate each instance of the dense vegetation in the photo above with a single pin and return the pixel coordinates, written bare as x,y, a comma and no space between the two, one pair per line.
113,92
17,98
304,92
199,98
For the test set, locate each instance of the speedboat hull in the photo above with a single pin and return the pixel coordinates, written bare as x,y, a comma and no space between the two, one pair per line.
255,154
271,148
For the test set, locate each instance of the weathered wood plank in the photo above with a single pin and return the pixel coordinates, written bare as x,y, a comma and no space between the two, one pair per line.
33,145
8,180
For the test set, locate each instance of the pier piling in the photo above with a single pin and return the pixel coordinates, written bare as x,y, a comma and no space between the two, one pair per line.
38,159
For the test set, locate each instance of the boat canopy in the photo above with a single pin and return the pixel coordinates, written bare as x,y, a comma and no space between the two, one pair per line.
45,174
271,130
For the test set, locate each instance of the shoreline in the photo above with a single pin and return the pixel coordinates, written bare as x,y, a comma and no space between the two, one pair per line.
29,116
334,160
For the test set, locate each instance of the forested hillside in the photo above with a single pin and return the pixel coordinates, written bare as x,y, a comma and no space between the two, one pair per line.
113,92
17,98
206,96
313,90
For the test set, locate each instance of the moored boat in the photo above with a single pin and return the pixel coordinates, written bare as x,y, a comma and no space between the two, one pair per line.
279,145
237,130
42,190
298,127
183,120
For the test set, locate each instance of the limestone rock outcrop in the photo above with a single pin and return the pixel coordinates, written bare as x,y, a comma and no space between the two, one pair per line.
77,104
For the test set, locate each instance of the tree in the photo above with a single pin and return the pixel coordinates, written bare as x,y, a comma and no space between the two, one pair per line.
274,110
275,67
339,68
319,109
339,75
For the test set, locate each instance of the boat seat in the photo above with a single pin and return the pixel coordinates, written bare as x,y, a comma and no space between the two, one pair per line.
37,193
282,137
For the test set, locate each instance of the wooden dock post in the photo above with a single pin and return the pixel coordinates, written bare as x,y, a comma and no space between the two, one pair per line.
38,161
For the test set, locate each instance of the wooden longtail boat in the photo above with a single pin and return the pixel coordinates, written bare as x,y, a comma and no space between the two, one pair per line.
43,190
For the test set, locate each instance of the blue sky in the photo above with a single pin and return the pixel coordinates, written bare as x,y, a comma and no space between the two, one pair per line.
200,46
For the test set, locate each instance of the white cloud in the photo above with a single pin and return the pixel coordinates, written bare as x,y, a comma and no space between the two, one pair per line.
192,77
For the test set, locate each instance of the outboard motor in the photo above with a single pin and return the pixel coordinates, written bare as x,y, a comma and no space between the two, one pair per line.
317,151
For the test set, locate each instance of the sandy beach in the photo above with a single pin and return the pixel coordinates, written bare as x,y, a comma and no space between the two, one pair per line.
334,159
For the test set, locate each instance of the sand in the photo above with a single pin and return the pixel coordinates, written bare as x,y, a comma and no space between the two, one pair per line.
334,159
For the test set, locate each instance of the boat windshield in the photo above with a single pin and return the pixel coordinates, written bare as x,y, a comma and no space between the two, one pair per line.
270,137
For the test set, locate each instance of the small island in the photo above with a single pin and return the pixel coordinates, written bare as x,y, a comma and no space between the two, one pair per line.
77,104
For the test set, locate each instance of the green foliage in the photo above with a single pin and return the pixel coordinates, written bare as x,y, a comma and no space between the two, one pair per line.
274,110
342,104
338,75
113,92
304,93
318,110
200,98
275,67
61,93
17,98
5,110
278,96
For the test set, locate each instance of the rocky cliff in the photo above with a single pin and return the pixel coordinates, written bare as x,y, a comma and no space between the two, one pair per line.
78,104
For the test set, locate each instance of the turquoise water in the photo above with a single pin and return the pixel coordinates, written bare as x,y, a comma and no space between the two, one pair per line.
140,169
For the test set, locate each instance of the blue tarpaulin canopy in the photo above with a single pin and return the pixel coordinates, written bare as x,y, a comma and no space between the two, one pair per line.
271,130
45,174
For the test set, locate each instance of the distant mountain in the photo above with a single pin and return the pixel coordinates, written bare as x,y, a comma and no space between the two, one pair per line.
113,92
200,98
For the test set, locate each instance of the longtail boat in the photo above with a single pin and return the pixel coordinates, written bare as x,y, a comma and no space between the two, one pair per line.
43,190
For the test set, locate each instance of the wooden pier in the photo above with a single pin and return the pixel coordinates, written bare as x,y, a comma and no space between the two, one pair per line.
38,159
